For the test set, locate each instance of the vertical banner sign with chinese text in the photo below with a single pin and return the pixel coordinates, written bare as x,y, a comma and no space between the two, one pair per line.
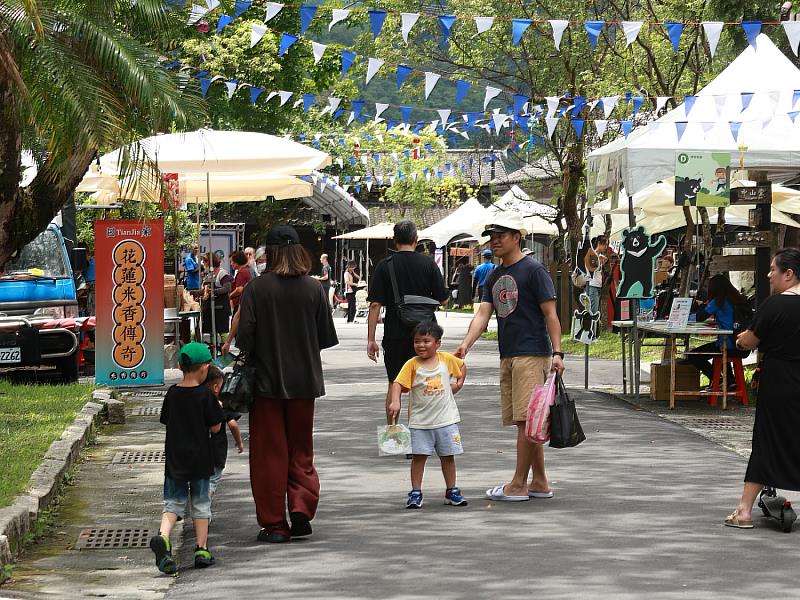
129,338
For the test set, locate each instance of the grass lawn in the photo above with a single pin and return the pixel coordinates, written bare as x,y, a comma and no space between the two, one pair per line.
31,418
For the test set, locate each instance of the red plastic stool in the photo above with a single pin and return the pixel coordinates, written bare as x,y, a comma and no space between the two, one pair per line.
738,371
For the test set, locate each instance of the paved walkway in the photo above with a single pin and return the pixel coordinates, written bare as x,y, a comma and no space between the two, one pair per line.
638,511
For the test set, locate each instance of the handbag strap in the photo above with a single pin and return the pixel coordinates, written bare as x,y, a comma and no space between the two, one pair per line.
393,278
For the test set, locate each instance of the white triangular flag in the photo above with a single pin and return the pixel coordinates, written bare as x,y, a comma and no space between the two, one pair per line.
297,103
216,78
391,179
600,125
314,179
773,97
256,33
609,102
499,121
491,92
319,50
434,124
338,14
284,96
707,127
558,26
414,176
322,184
231,85
792,30
198,12
552,104
631,29
464,134
369,185
372,67
661,102
271,95
212,4
592,104
483,23
340,162
444,114
408,20
719,103
428,176
333,103
431,79
551,125
713,30
351,117
379,108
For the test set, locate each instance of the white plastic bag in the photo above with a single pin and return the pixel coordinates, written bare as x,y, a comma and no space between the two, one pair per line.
393,440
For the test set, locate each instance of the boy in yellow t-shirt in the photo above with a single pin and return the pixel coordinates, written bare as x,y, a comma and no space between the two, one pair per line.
432,412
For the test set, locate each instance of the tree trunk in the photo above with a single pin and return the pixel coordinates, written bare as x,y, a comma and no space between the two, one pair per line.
685,260
10,158
572,174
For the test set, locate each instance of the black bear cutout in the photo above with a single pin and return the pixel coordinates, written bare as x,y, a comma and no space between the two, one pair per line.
638,263
686,191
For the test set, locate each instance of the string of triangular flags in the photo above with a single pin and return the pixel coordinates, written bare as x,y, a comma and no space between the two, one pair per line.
593,28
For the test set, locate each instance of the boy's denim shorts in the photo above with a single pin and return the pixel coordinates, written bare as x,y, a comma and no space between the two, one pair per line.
214,481
177,492
446,441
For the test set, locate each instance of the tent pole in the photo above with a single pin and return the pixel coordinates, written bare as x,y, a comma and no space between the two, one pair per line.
211,266
366,265
631,218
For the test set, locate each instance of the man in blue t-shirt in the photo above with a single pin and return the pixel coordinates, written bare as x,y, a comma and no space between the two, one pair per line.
521,293
192,266
482,271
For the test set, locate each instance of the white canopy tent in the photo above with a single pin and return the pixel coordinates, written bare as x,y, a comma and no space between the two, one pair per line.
771,137
329,198
381,231
469,219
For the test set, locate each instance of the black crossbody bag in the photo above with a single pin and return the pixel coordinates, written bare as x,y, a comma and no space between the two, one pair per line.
238,387
412,310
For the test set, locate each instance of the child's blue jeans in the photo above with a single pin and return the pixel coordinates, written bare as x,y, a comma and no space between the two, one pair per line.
177,492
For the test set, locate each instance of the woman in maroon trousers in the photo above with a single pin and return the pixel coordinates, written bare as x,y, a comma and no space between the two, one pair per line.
284,323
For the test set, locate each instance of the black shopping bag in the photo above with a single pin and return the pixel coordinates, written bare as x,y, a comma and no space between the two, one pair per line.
565,429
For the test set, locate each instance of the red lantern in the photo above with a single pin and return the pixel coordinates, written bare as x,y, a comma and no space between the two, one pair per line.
356,146
416,148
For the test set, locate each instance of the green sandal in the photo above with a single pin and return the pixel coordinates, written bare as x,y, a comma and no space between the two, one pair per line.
161,547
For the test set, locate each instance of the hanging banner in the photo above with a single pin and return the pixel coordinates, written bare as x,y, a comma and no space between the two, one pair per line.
701,178
129,337
438,258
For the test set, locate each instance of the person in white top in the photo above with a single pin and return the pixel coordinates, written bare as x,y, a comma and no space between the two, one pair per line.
595,283
433,416
350,280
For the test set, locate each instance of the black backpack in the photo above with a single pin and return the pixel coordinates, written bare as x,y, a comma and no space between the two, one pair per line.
742,316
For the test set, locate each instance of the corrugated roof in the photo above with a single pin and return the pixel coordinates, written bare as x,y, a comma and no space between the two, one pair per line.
544,169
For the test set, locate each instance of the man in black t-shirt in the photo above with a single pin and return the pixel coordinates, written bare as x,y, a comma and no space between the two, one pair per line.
416,275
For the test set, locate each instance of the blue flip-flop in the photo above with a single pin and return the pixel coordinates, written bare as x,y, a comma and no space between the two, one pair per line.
498,495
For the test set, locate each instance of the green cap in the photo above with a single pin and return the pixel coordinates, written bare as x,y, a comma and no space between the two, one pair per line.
194,353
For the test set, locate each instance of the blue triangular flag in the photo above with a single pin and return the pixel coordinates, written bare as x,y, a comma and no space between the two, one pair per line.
307,12
407,153
376,158
518,27
428,147
680,127
255,92
200,74
689,103
462,87
241,7
674,31
358,188
637,103
391,123
286,41
339,112
348,57
358,106
205,82
523,122
746,97
578,125
353,161
735,125
580,104
316,144
471,118
793,115
751,31
445,24
627,126
795,97
376,19
224,21
308,100
519,102
341,142
302,136
402,73
347,178
406,112
628,96
593,30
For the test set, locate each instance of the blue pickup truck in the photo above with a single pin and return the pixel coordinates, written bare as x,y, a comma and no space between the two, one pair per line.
38,301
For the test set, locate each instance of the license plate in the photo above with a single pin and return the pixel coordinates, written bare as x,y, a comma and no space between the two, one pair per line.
10,355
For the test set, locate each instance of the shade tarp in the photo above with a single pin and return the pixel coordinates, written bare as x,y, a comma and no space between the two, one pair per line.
771,137
469,219
381,231
332,199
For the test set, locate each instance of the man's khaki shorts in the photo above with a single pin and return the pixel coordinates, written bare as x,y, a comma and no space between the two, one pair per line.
518,376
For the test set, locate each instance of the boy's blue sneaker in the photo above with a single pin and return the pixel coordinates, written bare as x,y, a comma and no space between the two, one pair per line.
453,497
162,548
414,499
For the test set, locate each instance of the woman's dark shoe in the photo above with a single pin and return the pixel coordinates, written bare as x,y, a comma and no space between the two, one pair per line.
265,535
301,527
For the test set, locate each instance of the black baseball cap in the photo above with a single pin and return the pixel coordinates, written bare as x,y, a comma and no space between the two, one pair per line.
282,235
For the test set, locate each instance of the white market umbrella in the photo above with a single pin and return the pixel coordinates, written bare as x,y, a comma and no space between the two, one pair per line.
381,231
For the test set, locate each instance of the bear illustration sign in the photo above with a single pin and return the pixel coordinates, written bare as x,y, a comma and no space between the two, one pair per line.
584,322
639,255
701,178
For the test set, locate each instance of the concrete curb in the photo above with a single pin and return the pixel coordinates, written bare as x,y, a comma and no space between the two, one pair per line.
17,520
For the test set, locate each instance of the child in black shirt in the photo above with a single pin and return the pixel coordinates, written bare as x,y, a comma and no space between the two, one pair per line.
219,440
190,413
